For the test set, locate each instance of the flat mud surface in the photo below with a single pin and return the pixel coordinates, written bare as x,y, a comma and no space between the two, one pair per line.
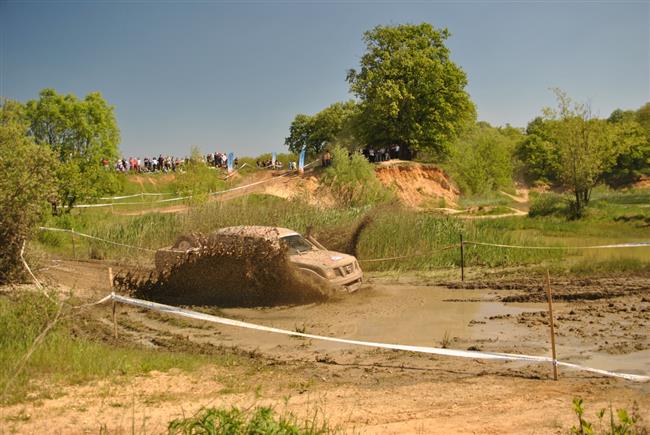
602,323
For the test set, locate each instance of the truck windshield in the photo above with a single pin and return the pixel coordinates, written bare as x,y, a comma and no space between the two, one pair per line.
296,244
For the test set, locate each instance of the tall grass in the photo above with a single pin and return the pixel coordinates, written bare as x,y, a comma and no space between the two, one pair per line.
392,231
62,357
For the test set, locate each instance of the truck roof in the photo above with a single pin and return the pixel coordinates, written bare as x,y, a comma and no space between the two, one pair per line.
270,233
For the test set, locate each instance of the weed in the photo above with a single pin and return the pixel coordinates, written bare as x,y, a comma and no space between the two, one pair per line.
619,423
446,340
235,421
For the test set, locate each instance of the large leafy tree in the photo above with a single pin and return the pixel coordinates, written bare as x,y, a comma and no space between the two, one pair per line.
80,133
410,91
330,125
26,185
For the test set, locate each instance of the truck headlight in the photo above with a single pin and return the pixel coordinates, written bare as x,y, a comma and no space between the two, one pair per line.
329,273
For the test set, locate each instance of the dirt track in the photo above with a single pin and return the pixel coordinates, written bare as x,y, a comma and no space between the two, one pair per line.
375,391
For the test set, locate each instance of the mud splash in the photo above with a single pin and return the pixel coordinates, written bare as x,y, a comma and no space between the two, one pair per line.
227,271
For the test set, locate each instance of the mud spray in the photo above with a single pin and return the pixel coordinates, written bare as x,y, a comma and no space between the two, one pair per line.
227,271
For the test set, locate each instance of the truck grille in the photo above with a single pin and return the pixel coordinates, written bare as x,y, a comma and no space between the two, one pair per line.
346,269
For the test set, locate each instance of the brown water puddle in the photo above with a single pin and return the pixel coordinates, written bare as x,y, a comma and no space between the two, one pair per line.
404,314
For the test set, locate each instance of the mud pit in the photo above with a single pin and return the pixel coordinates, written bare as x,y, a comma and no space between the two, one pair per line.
377,391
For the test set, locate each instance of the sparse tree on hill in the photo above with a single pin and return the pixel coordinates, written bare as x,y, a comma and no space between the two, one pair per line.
410,91
586,147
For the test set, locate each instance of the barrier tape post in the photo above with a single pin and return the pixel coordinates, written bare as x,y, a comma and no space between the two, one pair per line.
74,248
110,283
462,258
549,297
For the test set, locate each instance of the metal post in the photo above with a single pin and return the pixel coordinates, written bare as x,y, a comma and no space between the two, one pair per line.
549,296
462,259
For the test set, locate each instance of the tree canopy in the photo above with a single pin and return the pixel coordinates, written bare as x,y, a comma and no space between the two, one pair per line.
410,92
330,125
80,133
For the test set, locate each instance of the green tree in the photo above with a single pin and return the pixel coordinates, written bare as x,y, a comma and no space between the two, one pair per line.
632,139
81,133
410,92
586,147
332,124
537,153
26,186
481,159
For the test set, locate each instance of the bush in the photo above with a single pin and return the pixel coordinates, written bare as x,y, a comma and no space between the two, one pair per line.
353,181
547,204
197,179
482,160
25,186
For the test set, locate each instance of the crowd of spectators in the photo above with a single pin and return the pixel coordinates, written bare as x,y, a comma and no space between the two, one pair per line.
271,164
164,163
381,154
148,164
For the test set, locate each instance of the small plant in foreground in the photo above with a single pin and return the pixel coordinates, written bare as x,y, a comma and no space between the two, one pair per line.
621,423
234,421
446,340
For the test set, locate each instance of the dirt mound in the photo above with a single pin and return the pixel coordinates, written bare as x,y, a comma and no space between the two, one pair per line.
418,185
228,271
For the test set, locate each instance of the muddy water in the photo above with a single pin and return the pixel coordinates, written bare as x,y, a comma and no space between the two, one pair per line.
403,314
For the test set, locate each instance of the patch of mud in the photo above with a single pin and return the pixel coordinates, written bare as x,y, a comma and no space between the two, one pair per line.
227,271
569,289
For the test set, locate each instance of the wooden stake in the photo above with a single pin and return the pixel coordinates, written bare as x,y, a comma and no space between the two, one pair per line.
110,282
74,248
462,259
549,297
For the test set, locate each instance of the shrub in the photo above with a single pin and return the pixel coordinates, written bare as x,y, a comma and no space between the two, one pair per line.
197,179
25,186
352,179
481,160
547,204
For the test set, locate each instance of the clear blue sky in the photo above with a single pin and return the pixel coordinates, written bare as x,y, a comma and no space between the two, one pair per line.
231,76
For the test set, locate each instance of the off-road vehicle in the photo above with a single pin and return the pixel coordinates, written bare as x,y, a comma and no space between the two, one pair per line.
309,258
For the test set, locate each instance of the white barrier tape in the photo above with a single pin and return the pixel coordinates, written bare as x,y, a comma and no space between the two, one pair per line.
420,349
101,301
136,195
88,236
417,254
619,245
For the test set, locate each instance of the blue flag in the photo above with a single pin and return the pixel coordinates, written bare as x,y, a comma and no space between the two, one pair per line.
301,160
231,159
273,159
